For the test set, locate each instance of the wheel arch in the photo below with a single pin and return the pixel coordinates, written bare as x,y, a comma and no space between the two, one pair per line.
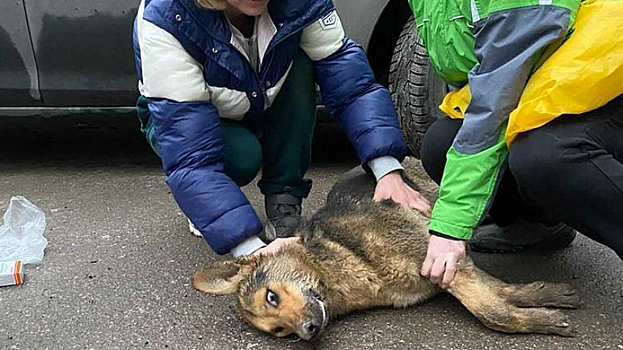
384,37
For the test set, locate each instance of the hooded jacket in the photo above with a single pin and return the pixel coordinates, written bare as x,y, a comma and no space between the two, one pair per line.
492,45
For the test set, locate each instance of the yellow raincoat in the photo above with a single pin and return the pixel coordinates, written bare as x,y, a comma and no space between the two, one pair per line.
585,73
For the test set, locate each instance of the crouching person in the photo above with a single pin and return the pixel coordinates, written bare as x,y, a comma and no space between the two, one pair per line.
557,176
228,86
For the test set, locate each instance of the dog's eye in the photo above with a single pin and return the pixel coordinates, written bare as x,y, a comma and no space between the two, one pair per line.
272,298
277,330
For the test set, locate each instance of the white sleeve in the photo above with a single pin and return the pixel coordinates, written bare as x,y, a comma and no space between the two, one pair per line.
168,70
247,247
324,37
382,166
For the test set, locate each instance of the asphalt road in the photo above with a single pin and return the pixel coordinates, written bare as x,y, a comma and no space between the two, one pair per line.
117,267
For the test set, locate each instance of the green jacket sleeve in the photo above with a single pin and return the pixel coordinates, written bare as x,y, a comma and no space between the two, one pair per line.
508,46
467,187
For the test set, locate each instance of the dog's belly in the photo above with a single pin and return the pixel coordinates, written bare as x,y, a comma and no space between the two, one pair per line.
402,284
403,298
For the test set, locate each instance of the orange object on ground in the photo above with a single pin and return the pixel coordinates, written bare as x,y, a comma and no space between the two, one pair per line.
11,273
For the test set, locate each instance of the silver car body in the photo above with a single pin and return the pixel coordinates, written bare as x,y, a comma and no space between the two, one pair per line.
78,53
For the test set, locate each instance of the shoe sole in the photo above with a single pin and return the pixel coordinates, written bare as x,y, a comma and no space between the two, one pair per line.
194,230
546,244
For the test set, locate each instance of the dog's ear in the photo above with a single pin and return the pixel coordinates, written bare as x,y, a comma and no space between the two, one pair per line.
220,278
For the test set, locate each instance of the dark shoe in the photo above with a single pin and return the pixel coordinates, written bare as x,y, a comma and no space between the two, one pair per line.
521,235
284,215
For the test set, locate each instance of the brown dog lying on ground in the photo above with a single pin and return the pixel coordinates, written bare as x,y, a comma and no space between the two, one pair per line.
356,254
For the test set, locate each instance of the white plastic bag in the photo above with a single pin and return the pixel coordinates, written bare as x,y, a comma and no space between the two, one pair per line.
21,235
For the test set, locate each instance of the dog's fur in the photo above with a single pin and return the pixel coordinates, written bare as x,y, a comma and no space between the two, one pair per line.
356,254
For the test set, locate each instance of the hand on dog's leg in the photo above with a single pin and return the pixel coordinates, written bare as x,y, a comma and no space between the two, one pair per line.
441,258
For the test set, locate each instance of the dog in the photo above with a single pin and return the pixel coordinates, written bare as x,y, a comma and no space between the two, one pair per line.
356,254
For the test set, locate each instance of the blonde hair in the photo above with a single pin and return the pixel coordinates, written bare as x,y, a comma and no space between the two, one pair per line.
213,4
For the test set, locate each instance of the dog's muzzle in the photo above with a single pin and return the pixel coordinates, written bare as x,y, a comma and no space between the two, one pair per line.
319,319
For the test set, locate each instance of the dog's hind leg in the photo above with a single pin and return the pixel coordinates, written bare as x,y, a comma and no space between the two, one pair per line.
480,293
541,294
536,294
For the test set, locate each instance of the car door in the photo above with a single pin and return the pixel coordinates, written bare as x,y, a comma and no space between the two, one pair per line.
84,51
18,71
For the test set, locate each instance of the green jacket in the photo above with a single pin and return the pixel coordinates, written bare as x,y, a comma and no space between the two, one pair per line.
445,28
511,41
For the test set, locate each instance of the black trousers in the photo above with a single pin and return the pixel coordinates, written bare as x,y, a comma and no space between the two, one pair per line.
570,171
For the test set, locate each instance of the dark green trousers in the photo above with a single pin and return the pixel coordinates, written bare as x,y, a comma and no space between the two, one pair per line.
279,143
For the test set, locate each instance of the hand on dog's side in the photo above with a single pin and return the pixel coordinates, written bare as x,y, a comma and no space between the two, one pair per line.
392,186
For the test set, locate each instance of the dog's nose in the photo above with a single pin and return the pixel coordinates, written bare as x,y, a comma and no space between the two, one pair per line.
311,329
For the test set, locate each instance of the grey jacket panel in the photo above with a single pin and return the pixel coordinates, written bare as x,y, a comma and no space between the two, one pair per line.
508,45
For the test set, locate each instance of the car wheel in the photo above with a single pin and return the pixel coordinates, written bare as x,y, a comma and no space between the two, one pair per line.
416,89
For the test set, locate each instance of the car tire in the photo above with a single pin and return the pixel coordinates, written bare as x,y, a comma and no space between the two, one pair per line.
416,89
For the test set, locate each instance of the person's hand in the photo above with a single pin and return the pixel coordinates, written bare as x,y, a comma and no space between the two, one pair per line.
275,245
392,186
441,259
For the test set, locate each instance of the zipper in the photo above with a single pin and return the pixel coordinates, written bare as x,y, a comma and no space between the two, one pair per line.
259,78
256,86
226,43
272,44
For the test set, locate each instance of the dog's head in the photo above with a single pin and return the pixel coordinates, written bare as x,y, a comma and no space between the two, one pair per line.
279,294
